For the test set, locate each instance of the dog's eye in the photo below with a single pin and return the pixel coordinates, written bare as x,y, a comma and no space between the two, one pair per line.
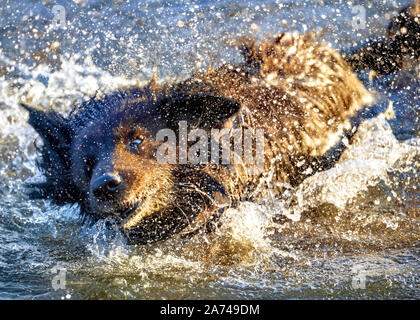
134,145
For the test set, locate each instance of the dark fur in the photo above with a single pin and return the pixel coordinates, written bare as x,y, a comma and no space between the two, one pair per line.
135,105
386,56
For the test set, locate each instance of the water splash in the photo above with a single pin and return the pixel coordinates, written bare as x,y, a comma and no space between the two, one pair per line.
362,212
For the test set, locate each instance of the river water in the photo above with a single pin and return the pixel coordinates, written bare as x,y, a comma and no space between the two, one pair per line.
349,232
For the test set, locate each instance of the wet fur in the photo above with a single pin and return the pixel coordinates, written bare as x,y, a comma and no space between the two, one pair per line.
299,90
397,49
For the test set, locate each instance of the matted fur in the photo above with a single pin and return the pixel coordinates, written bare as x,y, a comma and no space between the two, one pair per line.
298,90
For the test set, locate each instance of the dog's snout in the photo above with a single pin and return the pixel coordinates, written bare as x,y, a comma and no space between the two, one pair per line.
105,186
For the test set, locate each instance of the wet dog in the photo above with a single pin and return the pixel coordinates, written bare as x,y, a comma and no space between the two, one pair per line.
390,54
299,92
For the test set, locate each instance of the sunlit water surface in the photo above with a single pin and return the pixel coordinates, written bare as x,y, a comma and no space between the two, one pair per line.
349,232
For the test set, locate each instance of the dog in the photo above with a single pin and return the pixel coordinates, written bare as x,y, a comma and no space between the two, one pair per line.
299,92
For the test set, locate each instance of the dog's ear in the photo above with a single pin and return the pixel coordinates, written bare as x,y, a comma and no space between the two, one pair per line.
53,128
199,110
55,161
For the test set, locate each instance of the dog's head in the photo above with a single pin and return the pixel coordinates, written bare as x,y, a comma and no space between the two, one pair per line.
104,157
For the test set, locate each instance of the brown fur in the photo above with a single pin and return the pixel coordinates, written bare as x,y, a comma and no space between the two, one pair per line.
299,90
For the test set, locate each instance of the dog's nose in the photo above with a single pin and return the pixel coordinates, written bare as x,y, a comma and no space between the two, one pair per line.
106,186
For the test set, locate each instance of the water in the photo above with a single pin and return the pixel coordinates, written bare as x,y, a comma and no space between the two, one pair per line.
349,232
